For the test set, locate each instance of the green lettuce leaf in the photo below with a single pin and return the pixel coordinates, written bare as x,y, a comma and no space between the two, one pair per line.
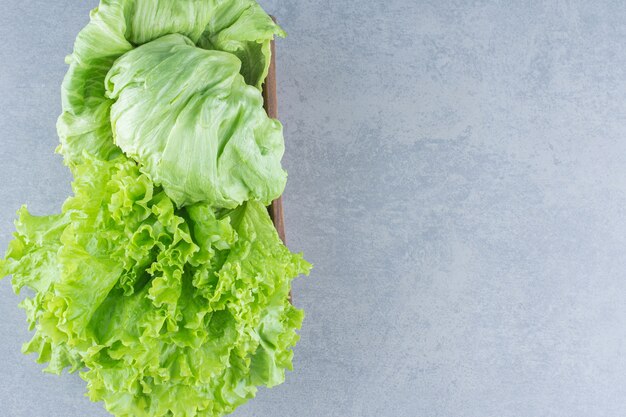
240,27
174,102
171,311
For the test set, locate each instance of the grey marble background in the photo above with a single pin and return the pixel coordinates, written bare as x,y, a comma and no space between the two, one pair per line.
457,176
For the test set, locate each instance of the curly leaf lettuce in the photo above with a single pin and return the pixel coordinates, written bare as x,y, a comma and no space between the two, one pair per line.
172,312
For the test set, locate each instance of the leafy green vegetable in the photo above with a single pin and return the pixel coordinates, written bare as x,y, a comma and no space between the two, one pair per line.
182,311
163,279
173,102
240,27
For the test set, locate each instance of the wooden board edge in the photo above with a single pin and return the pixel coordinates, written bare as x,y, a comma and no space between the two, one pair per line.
270,102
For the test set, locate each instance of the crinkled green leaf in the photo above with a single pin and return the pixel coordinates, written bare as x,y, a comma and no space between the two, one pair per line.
172,311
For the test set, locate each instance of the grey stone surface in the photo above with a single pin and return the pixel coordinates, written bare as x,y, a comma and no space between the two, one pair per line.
457,176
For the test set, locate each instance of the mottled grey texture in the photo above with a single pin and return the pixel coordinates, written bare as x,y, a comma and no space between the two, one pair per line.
457,176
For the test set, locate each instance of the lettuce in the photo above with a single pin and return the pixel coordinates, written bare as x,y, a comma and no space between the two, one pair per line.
181,311
239,27
173,102
163,279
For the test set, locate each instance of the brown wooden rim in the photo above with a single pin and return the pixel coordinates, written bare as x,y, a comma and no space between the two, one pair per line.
270,102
